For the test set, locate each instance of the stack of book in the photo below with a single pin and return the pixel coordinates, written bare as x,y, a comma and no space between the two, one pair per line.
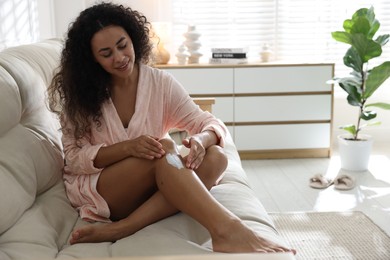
228,56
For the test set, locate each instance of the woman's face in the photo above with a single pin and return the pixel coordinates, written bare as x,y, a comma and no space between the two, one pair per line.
113,50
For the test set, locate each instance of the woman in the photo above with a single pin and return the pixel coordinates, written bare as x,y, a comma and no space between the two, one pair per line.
115,111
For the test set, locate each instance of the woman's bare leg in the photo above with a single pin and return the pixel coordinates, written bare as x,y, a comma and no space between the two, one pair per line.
181,189
120,189
184,190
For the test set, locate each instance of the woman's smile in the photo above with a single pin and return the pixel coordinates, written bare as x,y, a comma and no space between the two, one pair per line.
124,66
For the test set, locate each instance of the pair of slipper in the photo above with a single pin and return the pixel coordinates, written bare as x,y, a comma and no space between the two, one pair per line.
341,182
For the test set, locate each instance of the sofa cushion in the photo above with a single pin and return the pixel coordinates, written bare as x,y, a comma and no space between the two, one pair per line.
43,229
30,145
10,102
32,68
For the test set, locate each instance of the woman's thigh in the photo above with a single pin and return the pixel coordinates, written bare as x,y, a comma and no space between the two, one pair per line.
126,185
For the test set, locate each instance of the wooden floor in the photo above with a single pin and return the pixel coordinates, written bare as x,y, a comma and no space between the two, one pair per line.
282,185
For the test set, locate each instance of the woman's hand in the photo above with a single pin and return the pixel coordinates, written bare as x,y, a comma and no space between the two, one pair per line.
197,152
147,147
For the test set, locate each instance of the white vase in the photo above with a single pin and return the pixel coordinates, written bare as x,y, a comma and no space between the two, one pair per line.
354,154
182,55
193,44
265,53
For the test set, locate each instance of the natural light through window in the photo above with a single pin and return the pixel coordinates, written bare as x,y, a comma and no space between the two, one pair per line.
19,22
330,199
296,31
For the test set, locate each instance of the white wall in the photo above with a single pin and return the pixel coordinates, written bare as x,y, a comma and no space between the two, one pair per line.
46,19
56,15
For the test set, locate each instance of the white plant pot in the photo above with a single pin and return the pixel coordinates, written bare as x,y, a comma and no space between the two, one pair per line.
354,154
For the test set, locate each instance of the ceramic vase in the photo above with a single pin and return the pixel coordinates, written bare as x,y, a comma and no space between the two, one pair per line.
193,44
182,55
162,55
354,154
265,53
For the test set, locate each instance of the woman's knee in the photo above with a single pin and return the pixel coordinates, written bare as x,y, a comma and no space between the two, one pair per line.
217,152
168,145
216,157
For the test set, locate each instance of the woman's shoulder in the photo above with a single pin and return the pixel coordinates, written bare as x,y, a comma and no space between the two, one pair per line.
156,76
150,70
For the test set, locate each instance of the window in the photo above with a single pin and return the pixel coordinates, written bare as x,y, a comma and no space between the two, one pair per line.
18,22
296,30
224,23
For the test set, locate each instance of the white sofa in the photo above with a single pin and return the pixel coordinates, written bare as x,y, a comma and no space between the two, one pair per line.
36,218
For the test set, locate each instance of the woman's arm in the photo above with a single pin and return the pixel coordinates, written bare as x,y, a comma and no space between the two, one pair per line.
83,157
206,138
182,113
198,145
145,146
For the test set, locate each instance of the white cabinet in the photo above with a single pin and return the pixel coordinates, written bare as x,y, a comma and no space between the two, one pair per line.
271,110
283,78
282,108
213,82
205,81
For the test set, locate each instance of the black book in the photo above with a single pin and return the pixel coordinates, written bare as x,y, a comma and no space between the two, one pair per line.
232,55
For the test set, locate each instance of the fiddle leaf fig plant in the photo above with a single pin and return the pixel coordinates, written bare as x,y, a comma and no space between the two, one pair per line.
363,81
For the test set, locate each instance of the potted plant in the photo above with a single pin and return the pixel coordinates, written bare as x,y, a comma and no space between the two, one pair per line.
361,84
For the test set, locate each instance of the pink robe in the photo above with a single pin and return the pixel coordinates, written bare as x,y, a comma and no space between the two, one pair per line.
161,104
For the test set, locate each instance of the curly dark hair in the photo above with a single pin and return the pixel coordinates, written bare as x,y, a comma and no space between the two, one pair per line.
81,85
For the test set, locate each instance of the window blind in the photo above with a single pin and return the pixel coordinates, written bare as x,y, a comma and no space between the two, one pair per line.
226,23
295,30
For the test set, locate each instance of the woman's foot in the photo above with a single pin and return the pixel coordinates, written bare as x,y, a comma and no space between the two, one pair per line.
238,238
234,238
97,233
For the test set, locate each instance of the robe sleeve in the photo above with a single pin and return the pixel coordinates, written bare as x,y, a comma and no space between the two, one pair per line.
79,154
184,114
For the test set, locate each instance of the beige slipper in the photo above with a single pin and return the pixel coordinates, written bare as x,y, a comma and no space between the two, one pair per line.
318,181
344,182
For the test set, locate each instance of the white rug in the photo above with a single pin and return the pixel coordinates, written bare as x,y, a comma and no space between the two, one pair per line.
333,235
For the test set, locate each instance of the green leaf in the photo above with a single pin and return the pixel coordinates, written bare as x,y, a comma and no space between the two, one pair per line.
349,128
376,77
369,15
373,123
366,48
374,22
342,37
353,100
352,87
357,76
364,12
353,60
368,115
361,25
380,105
374,28
383,39
347,25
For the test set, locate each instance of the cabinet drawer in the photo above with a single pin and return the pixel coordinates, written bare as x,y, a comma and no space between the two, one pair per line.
283,108
268,137
205,80
282,79
223,109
